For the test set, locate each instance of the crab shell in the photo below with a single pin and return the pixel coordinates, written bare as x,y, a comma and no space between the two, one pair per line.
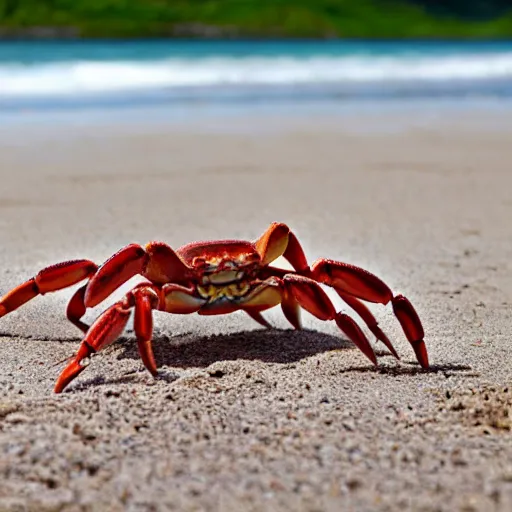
215,277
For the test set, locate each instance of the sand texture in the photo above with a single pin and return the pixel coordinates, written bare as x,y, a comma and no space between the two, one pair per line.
243,418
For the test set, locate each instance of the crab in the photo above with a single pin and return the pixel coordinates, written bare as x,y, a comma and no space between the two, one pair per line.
212,278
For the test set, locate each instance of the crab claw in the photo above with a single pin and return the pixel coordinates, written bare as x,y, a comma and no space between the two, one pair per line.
411,325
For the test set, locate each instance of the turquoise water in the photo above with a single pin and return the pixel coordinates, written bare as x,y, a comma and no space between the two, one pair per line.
76,75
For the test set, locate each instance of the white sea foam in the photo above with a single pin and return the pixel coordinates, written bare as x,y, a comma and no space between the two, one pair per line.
83,77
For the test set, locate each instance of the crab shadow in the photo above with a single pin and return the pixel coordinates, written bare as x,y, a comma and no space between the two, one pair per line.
192,351
282,346
269,346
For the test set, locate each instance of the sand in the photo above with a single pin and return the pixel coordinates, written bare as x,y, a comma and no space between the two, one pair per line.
243,418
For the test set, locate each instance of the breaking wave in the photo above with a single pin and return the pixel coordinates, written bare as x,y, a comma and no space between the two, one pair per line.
86,77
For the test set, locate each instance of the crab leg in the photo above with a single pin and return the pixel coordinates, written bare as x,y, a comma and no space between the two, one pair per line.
145,300
291,309
120,267
349,280
294,291
313,299
412,327
369,319
157,262
109,326
104,331
257,316
50,279
299,290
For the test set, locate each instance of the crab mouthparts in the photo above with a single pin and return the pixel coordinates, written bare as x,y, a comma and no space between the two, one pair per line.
230,291
224,277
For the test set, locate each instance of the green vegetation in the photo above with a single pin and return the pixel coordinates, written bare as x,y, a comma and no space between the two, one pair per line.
257,18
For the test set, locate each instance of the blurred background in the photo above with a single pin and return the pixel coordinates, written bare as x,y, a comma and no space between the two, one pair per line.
63,54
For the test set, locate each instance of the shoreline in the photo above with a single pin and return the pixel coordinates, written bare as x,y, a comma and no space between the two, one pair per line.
365,116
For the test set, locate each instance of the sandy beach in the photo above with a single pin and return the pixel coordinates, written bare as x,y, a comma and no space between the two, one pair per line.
243,418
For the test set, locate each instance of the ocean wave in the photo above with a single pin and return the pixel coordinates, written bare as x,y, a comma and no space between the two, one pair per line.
90,77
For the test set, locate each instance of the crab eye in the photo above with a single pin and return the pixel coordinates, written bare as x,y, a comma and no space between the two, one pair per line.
252,258
199,262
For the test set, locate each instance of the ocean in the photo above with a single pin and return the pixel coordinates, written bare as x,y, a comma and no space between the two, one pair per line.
62,76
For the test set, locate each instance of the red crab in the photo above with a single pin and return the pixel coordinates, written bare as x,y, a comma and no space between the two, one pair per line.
213,278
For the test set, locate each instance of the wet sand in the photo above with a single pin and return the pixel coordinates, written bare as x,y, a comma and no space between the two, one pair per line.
243,418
